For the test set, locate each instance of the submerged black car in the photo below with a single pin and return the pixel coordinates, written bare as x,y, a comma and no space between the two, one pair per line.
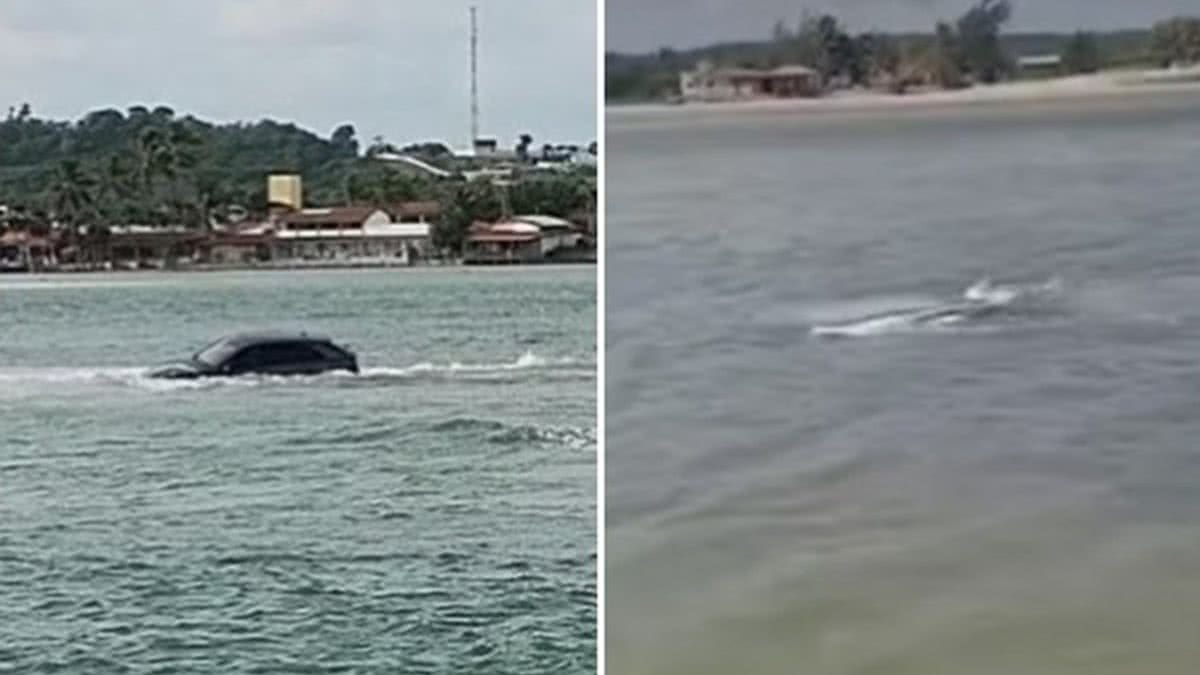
265,354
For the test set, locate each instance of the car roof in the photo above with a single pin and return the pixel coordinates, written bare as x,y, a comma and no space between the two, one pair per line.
249,338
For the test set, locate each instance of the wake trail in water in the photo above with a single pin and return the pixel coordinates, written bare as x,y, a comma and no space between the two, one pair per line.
983,303
65,377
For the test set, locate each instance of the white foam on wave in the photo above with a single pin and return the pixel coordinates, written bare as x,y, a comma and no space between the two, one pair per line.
876,326
525,361
57,374
26,378
50,284
986,291
843,311
981,299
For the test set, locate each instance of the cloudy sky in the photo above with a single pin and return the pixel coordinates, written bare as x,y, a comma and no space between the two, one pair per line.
397,68
644,25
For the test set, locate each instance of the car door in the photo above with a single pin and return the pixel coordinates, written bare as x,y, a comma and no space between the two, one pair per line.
335,357
292,358
247,360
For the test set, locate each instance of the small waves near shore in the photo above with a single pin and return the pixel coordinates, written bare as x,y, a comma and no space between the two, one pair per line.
433,514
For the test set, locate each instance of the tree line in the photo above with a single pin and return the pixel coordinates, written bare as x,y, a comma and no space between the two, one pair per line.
153,167
971,48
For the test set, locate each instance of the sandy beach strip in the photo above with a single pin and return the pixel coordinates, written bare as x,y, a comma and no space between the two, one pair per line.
1130,84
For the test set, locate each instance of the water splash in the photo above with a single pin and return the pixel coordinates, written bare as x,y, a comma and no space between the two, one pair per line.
526,361
13,379
982,301
985,290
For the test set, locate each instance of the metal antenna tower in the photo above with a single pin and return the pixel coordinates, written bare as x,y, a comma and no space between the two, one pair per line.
474,77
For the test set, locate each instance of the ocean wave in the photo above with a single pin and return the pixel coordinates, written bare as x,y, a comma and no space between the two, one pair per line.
576,438
136,377
467,424
526,361
984,304
504,433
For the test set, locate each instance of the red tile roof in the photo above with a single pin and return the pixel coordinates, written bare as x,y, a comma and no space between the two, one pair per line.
502,237
347,215
429,209
217,239
20,238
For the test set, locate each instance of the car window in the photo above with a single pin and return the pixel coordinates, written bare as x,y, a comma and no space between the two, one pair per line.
216,353
330,352
247,359
284,353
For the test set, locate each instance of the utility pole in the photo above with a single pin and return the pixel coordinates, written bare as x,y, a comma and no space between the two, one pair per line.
474,77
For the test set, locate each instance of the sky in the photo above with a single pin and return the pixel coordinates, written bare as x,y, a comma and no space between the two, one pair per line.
646,25
395,68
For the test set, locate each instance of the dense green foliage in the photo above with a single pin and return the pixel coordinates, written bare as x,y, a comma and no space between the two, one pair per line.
1081,54
978,38
1177,40
970,47
822,42
151,167
482,200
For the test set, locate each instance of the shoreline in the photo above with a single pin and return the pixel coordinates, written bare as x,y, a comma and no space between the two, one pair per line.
1076,88
343,267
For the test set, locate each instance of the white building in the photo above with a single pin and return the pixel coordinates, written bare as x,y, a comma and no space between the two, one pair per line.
555,232
348,234
709,83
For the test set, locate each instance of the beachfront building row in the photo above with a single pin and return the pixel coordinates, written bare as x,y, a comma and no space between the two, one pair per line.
329,236
396,235
353,236
295,235
523,239
709,83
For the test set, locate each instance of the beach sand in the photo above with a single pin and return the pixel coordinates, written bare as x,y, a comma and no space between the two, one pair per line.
1109,84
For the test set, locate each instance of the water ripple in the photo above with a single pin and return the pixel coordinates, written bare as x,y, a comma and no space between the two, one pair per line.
431,515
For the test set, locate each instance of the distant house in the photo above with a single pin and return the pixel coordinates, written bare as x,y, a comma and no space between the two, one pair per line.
556,232
24,252
348,233
145,246
503,243
520,239
563,157
248,246
708,83
1039,64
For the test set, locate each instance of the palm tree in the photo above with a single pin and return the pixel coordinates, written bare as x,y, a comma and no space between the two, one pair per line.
210,194
462,204
166,152
117,189
523,146
72,190
1176,40
152,153
185,146
73,197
